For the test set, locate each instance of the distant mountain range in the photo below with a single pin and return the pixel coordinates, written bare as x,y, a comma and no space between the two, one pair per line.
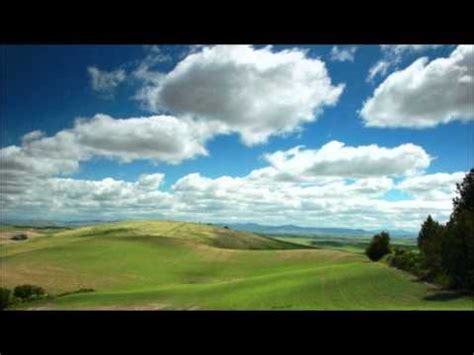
297,230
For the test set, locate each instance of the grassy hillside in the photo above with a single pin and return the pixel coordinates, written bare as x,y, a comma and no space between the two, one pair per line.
174,265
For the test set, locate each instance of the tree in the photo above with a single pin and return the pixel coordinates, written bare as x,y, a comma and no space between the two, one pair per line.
430,239
458,251
378,247
4,298
465,200
458,246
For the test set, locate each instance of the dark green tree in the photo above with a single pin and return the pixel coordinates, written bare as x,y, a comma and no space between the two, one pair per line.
465,199
430,239
458,245
378,247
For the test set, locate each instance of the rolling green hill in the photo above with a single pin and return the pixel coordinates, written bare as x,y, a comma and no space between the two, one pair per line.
175,265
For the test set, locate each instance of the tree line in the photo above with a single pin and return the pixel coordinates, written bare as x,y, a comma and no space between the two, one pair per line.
445,251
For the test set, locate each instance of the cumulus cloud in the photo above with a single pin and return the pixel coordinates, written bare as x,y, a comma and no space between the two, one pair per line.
322,195
425,94
107,197
156,138
254,92
357,203
151,181
438,186
392,55
328,203
343,54
336,159
104,82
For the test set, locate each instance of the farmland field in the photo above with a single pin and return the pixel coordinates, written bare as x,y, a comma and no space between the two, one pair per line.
177,265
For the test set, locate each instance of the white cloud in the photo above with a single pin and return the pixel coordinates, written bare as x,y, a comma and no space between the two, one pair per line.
392,55
425,94
104,82
400,49
151,181
438,186
156,138
336,202
254,92
143,68
379,68
261,196
88,198
336,159
343,54
226,199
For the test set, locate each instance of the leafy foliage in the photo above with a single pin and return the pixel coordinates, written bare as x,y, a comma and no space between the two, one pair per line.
458,246
407,260
448,251
379,246
465,200
458,250
430,241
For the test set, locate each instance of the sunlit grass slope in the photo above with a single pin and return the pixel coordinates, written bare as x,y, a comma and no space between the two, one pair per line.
175,265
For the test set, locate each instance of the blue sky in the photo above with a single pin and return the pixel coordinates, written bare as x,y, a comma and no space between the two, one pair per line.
46,88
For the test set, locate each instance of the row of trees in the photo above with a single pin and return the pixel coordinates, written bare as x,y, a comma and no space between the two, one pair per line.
446,251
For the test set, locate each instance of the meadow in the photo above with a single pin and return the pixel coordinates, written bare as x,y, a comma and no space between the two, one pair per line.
176,265
353,244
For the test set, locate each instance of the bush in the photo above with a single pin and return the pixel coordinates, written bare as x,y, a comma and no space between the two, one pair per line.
378,247
21,236
407,260
28,292
4,298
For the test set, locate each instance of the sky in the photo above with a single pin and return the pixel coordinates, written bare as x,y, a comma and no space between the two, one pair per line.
314,135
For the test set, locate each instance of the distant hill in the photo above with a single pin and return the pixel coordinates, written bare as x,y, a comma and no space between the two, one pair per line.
297,230
245,227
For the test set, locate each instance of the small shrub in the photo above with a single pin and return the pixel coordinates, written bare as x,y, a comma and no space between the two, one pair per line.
28,292
4,298
20,236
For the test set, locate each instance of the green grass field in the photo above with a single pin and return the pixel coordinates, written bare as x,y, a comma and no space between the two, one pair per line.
350,244
175,265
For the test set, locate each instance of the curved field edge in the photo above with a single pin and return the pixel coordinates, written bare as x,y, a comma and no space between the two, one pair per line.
173,265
